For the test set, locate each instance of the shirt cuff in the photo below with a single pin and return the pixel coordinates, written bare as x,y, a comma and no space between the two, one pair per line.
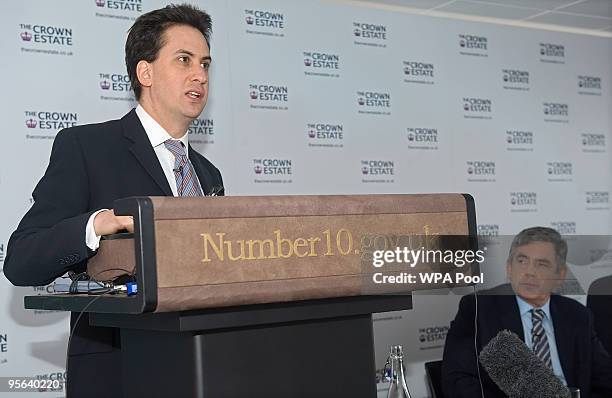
91,239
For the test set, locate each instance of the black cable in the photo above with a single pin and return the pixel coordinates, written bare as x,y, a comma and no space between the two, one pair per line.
83,276
75,279
131,273
71,334
476,340
111,287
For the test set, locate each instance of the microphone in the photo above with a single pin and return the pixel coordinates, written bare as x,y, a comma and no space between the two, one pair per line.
517,371
216,190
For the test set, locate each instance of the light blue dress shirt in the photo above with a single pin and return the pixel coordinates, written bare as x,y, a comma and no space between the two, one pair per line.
525,311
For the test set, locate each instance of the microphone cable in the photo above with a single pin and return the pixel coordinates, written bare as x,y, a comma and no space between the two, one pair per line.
72,332
108,291
476,340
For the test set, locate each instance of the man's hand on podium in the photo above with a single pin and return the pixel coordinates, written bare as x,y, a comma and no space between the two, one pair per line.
107,223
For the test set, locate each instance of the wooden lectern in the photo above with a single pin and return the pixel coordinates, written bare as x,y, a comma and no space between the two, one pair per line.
261,296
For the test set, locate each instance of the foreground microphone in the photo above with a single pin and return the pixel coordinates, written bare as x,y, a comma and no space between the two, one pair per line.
517,371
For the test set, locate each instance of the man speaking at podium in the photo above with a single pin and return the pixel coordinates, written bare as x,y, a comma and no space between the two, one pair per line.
145,153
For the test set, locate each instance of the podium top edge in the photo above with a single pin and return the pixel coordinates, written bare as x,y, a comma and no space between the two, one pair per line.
298,205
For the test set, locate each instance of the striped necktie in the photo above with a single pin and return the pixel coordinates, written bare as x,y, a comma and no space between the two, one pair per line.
186,182
539,338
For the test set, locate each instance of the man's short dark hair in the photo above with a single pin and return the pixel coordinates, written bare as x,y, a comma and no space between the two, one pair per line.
146,36
541,234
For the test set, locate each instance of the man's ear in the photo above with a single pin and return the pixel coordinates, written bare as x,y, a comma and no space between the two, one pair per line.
144,73
562,273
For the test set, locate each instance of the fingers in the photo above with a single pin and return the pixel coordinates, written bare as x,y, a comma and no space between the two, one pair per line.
126,222
107,223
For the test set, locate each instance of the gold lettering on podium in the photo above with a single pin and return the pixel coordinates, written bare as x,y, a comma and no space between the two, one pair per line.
217,247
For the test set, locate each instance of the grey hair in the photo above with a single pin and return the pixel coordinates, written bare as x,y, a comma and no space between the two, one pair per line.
541,234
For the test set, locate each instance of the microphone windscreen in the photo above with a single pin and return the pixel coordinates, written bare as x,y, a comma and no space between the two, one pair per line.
517,371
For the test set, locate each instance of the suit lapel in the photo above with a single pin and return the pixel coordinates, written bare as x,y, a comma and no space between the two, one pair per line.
563,337
202,171
511,317
143,151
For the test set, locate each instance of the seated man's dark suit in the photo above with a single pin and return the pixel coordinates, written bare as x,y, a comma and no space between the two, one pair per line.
599,301
90,167
585,363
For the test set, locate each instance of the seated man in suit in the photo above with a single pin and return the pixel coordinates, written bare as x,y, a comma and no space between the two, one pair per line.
145,153
599,301
559,330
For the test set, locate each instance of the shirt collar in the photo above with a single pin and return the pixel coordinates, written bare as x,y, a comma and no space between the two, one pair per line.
525,307
156,133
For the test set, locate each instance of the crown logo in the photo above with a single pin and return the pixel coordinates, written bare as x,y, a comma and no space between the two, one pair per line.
31,123
361,101
249,20
258,169
364,170
104,84
26,36
312,133
466,107
253,94
100,3
307,61
357,32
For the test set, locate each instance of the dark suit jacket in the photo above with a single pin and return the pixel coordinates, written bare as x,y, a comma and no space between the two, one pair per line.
599,301
585,363
90,167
